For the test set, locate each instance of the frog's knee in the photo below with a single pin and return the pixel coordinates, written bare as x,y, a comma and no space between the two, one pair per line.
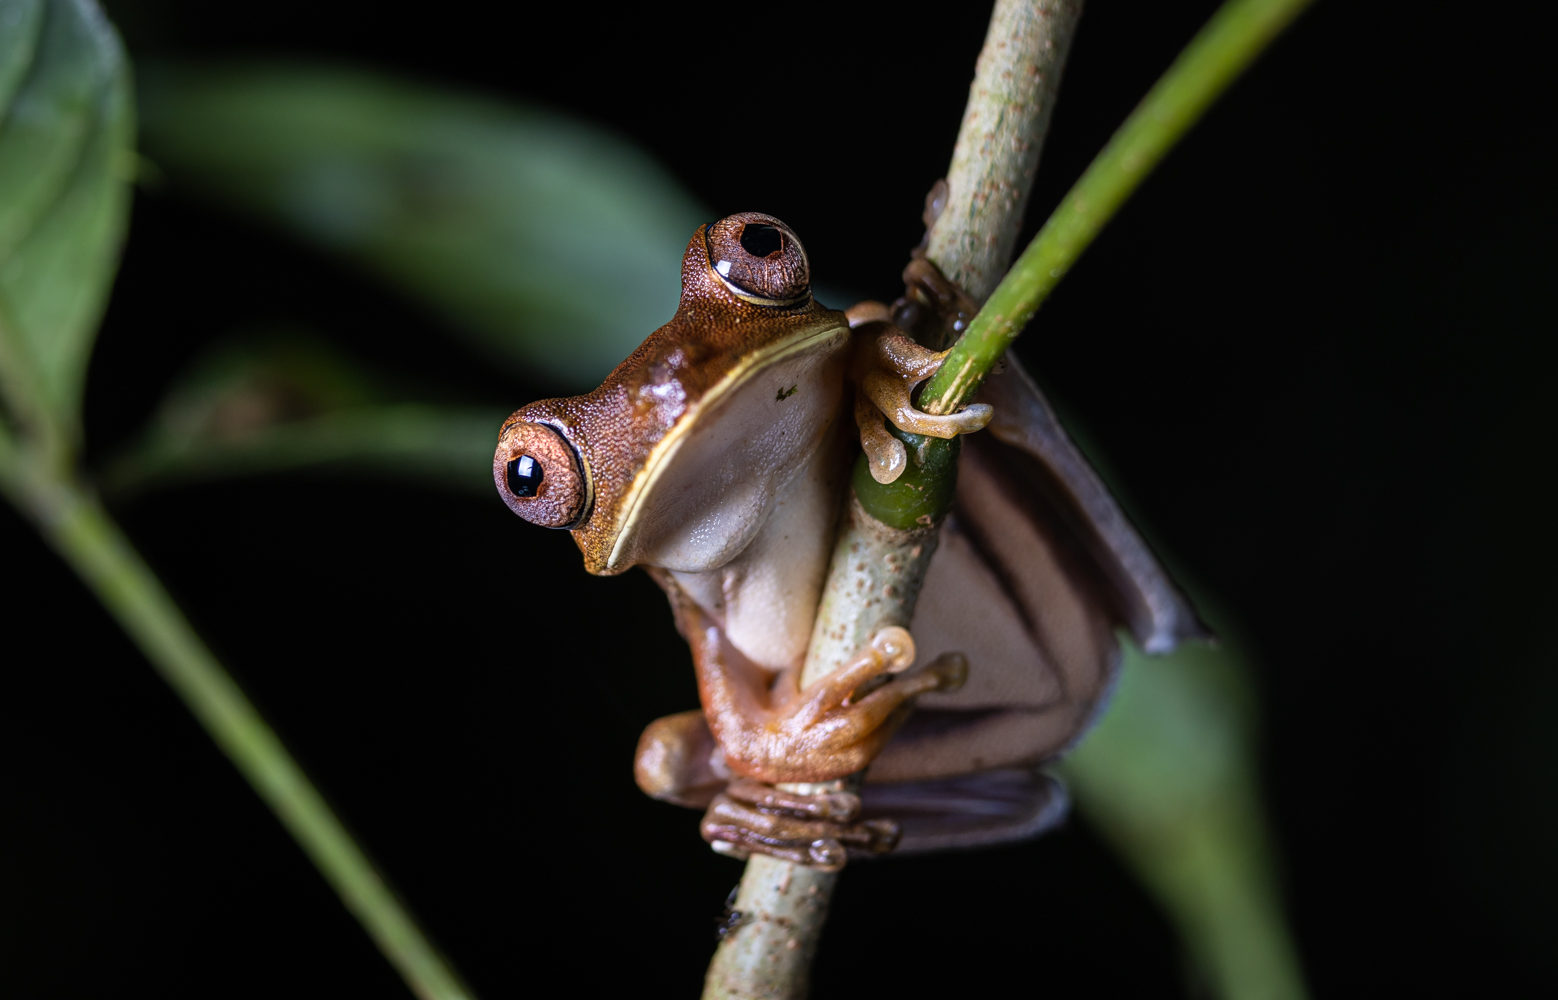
678,760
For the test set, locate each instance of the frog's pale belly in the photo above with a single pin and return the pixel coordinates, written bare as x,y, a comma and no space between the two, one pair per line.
766,599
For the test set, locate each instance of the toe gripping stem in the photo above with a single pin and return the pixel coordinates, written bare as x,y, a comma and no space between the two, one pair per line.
888,369
815,830
818,824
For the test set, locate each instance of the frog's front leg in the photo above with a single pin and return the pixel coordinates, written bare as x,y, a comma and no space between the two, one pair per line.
759,729
773,731
888,366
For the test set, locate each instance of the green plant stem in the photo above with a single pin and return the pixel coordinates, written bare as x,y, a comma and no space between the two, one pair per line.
1229,42
78,527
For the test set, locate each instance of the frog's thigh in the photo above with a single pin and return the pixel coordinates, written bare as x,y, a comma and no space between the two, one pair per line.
990,807
1041,651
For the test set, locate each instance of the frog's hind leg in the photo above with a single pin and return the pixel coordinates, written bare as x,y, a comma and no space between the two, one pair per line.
810,829
679,761
997,806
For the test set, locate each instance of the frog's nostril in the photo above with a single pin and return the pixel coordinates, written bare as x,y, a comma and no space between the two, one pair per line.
524,476
761,240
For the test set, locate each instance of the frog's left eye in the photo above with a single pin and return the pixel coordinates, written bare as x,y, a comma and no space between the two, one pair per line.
759,259
540,475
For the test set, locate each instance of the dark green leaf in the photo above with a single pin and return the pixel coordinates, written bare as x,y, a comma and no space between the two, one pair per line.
558,243
288,401
1168,776
65,155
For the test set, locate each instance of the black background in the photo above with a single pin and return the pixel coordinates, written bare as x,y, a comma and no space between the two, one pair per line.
1315,349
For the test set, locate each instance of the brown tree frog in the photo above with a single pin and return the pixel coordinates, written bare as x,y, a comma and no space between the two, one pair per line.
716,456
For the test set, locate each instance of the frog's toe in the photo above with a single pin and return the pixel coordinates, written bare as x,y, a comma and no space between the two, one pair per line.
890,651
885,454
890,395
966,421
838,807
866,716
762,819
891,368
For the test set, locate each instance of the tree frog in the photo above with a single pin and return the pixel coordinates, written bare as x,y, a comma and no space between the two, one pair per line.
716,456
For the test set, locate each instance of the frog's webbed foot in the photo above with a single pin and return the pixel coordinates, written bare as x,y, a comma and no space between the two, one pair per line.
888,369
814,829
857,707
679,761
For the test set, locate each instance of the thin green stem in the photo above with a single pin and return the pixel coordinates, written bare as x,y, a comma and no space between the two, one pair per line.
1229,42
78,527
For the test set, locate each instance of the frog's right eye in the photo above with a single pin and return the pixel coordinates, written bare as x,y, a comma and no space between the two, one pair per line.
540,475
759,259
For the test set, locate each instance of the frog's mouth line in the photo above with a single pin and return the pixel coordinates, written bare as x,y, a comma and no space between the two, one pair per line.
660,457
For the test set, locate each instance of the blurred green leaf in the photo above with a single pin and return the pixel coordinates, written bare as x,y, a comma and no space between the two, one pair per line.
1169,777
288,401
66,140
557,243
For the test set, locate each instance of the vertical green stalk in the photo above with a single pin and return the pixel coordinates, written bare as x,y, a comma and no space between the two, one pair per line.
1230,41
78,527
67,137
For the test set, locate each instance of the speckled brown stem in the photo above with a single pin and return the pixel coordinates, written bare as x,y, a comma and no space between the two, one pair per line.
768,953
998,145
876,571
873,582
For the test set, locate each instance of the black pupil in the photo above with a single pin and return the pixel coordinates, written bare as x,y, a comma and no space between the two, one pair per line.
760,240
524,476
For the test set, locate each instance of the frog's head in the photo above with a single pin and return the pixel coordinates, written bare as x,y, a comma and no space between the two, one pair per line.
673,460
